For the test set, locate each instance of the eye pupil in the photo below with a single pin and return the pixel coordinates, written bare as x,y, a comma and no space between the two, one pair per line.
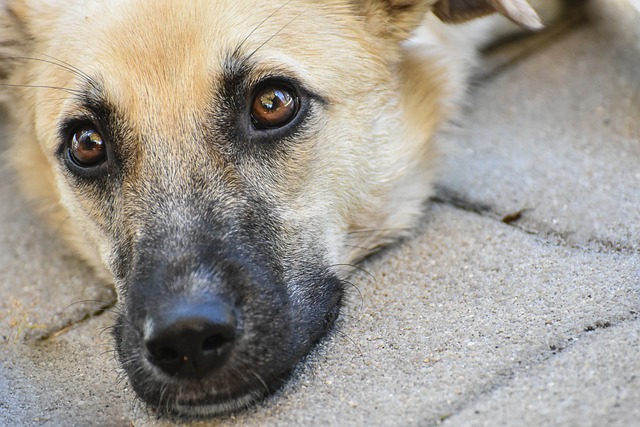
87,147
273,106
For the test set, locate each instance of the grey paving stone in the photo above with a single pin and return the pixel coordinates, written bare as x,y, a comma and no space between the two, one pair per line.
67,381
556,137
595,381
472,322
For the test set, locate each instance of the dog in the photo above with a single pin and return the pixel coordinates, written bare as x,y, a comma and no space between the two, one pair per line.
221,162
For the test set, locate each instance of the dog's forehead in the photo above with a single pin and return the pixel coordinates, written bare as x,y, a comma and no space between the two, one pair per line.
165,59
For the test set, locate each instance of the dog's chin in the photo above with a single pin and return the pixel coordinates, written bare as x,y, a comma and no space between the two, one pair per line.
202,401
204,409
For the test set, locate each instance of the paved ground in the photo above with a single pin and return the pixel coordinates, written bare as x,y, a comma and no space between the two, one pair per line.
516,305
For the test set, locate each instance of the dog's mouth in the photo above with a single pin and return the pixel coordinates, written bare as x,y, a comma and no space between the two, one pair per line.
216,343
195,398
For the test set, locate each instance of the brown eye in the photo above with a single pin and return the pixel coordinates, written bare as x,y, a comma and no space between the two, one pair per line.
273,106
87,148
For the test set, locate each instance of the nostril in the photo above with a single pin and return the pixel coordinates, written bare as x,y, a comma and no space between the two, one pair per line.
164,354
191,339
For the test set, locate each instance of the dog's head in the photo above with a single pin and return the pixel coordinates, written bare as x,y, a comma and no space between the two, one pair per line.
222,161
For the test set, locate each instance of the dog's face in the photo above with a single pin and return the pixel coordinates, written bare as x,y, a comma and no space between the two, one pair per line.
222,161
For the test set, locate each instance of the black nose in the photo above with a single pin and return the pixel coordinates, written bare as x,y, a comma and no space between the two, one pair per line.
190,339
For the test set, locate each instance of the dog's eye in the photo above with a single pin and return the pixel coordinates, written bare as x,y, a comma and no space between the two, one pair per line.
86,147
273,106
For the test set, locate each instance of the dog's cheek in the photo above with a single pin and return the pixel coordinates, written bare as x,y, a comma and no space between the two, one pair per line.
315,304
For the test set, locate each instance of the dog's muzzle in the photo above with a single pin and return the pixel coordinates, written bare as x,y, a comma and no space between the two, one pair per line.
211,327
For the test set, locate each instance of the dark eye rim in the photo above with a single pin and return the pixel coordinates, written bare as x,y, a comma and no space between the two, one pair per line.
84,171
257,137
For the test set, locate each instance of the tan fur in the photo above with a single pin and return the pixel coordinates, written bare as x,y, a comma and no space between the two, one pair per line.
159,108
357,183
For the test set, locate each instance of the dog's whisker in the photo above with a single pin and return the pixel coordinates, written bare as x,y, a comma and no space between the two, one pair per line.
247,58
105,329
118,373
347,338
86,301
29,86
262,381
73,69
355,267
64,65
62,223
236,51
162,398
352,285
111,351
351,316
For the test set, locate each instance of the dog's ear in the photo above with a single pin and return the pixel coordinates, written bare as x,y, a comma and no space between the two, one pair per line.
396,19
519,11
393,19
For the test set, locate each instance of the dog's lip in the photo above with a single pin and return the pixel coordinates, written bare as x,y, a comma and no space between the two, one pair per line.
200,399
223,406
219,401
